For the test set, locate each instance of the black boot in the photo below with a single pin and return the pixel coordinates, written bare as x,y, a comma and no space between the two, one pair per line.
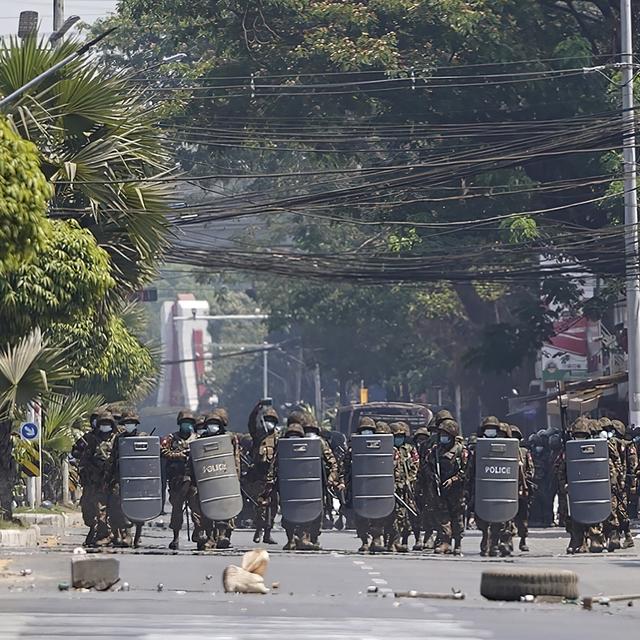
257,534
174,545
267,539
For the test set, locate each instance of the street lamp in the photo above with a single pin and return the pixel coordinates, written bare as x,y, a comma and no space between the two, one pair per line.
68,23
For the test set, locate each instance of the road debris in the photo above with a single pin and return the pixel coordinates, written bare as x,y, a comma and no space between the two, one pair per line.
455,594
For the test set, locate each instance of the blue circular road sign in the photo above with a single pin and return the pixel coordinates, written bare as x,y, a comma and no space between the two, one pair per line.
29,431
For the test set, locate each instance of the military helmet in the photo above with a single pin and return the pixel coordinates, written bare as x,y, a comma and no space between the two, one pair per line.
294,429
443,414
605,424
105,416
472,439
555,441
366,423
618,427
515,432
200,420
185,415
382,427
449,426
421,431
270,412
128,417
505,429
400,428
490,421
581,426
295,417
221,415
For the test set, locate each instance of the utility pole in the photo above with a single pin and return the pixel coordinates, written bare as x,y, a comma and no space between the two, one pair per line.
58,14
265,371
318,392
630,213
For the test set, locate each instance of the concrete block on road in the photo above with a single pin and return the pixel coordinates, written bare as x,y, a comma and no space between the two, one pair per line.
19,538
94,573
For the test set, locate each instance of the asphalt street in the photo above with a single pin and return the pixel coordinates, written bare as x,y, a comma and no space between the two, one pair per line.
320,595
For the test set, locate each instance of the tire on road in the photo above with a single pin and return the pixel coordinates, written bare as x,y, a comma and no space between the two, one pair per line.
512,584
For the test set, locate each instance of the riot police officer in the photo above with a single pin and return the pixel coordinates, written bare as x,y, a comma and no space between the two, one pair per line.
525,481
175,450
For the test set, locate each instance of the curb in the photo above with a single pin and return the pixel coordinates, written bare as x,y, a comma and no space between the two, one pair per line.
54,520
20,538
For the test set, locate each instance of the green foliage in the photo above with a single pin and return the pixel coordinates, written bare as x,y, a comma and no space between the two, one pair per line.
69,275
24,193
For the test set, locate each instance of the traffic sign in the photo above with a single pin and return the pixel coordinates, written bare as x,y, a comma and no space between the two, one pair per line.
29,431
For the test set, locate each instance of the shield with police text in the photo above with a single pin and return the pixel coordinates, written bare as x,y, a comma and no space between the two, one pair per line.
588,479
300,479
497,468
372,480
214,467
140,477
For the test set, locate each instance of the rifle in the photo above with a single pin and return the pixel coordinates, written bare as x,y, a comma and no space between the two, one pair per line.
563,411
438,474
405,505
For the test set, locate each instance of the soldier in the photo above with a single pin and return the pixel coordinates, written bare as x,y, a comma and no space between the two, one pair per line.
208,534
332,480
94,474
541,512
86,499
263,422
406,465
496,536
444,474
627,484
611,526
370,531
525,481
120,525
175,450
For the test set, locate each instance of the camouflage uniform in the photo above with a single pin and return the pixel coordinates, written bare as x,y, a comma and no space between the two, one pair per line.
94,475
120,525
611,526
370,531
207,533
86,500
496,536
175,450
406,465
305,536
443,475
525,479
263,451
631,490
626,482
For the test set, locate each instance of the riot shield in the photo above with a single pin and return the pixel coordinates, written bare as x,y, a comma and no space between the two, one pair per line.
497,469
588,480
214,467
300,479
372,480
140,477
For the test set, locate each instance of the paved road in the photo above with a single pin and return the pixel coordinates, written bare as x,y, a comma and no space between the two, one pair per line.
322,595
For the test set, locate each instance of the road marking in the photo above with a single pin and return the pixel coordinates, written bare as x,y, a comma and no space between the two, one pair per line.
195,627
366,567
374,573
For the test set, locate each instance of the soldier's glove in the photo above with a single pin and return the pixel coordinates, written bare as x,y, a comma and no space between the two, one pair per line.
447,484
340,487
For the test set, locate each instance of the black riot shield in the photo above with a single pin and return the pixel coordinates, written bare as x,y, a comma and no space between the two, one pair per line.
140,477
588,480
300,479
214,467
497,467
372,480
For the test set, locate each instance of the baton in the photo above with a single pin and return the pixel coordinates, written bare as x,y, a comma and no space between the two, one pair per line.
186,513
249,498
405,505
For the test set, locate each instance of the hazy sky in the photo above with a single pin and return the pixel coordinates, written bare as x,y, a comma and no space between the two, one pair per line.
88,10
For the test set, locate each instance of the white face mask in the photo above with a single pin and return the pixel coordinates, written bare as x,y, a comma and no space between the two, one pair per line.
366,432
199,432
213,429
490,433
130,427
311,434
105,428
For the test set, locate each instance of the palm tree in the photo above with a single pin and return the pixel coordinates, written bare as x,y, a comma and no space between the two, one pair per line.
64,421
28,370
101,149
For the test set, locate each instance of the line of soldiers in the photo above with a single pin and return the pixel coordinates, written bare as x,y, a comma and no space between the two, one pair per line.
97,459
624,474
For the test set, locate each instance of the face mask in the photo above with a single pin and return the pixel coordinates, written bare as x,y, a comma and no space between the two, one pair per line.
269,426
200,432
366,432
105,428
311,434
130,427
213,429
445,439
398,441
539,449
490,433
186,428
